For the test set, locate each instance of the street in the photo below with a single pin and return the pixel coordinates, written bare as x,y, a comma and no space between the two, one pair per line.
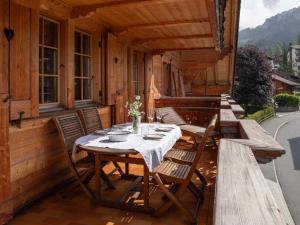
285,128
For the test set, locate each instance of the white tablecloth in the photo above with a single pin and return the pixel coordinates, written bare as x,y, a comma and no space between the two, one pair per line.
152,151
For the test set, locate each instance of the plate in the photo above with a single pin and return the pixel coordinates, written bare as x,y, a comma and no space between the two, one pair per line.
101,132
164,129
153,137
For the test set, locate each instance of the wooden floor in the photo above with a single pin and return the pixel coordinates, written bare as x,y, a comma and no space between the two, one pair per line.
77,210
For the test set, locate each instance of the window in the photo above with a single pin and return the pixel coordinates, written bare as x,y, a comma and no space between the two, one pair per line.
82,66
48,61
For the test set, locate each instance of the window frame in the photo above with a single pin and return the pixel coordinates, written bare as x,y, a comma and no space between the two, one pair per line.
80,102
45,106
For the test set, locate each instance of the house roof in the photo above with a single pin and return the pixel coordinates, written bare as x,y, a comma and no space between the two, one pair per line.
284,80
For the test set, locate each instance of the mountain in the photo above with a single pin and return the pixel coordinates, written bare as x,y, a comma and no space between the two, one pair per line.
283,27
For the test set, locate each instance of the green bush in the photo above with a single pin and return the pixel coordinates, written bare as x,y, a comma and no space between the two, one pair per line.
261,115
287,100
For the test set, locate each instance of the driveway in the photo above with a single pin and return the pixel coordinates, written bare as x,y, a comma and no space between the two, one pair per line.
286,128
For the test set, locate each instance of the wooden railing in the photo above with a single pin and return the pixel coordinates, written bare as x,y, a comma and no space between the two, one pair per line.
194,110
212,102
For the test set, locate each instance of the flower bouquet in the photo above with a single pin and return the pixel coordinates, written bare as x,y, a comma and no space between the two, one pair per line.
135,113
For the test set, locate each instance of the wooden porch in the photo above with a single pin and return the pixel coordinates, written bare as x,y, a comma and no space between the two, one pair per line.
77,210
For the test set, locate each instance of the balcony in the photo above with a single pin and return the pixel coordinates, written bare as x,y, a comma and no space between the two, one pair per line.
60,57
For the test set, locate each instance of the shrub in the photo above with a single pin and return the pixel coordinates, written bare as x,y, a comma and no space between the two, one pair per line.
287,100
261,115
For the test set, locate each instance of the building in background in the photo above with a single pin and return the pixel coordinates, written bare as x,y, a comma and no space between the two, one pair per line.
284,84
294,58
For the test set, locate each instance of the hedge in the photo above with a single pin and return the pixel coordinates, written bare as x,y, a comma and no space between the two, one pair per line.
287,100
261,115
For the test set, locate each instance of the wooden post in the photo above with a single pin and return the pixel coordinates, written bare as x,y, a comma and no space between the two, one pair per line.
5,185
67,59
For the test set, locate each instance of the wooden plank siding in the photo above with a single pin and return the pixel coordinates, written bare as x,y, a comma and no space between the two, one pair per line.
5,184
38,163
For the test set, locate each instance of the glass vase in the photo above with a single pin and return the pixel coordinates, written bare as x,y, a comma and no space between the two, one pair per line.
136,124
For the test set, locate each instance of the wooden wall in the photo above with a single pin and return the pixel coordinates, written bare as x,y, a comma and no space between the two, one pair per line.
5,187
280,87
31,157
38,163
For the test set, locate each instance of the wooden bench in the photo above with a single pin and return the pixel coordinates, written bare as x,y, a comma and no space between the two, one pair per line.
242,195
237,109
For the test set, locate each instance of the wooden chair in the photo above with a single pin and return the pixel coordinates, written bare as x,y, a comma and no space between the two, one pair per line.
187,157
70,128
180,175
91,122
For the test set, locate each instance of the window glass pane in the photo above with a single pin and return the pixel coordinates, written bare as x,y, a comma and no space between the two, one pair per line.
41,31
50,89
50,33
41,90
77,42
86,89
77,89
50,61
86,44
40,60
86,66
77,65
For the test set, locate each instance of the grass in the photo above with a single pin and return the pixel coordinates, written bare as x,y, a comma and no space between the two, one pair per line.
261,115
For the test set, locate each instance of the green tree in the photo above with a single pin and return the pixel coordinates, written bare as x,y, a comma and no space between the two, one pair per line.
253,81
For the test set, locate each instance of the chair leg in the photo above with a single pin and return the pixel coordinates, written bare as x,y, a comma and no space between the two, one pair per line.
106,179
118,168
201,177
82,182
173,199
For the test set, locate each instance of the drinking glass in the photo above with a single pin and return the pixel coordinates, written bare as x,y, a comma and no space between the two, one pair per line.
144,130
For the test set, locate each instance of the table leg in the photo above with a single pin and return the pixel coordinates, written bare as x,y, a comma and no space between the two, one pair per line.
98,176
127,166
146,186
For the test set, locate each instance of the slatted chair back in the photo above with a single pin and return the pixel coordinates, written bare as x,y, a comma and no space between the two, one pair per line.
90,119
202,144
169,115
70,128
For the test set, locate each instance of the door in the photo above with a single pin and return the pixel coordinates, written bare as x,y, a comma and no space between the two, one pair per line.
116,77
167,78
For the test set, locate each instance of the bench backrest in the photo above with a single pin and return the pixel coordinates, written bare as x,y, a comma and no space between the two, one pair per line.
169,115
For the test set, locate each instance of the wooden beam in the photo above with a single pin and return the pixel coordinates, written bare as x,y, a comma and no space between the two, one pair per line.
86,10
152,39
123,30
211,9
162,50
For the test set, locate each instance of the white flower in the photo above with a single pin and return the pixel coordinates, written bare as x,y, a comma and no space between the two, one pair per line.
137,97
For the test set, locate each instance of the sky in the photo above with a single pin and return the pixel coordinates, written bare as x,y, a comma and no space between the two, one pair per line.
255,12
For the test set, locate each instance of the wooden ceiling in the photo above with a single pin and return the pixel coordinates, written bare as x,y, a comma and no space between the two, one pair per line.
157,25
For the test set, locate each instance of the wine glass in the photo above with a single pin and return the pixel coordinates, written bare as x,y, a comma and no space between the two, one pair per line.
158,118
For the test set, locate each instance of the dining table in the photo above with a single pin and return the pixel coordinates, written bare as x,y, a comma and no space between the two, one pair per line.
139,149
